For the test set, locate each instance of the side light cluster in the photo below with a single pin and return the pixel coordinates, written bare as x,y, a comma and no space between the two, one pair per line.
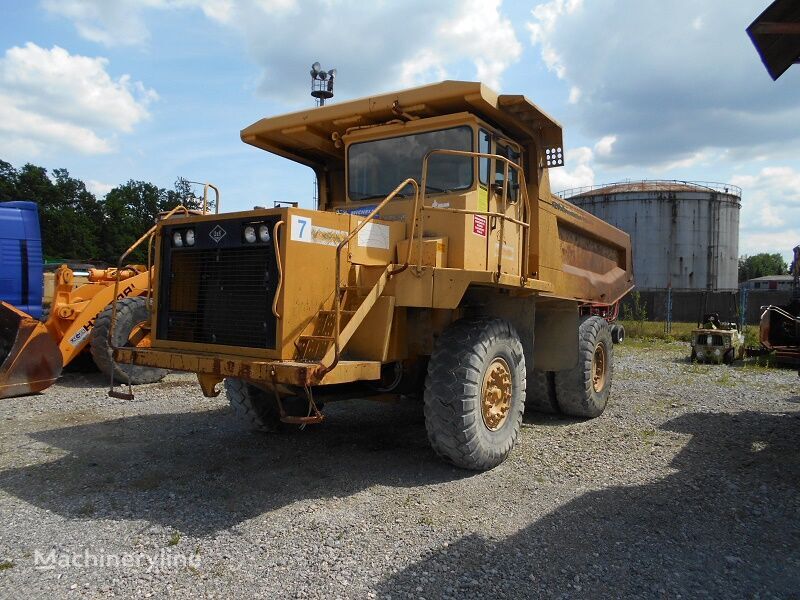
257,232
183,237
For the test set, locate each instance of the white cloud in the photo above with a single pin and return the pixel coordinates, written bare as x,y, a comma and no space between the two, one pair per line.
579,173
770,210
574,94
98,188
546,17
53,99
781,241
387,46
670,83
108,22
605,145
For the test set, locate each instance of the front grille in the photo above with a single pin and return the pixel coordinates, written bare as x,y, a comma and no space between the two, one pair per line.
217,293
716,339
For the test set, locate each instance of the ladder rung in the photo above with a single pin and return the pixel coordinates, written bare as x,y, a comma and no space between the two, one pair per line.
344,312
328,338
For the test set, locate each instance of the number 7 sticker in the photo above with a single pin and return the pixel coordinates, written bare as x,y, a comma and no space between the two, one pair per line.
301,229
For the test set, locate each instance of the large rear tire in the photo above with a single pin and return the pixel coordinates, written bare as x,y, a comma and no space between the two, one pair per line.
541,392
131,314
475,393
583,390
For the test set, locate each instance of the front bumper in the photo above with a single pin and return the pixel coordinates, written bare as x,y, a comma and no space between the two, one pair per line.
218,367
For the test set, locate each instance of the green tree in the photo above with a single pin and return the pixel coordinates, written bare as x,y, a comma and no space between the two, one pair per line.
76,225
760,265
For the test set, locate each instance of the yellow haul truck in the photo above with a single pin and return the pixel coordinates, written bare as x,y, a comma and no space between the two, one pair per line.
437,247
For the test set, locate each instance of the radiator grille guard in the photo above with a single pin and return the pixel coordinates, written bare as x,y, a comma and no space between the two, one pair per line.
220,290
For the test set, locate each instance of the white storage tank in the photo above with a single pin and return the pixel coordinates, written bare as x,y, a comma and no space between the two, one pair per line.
684,234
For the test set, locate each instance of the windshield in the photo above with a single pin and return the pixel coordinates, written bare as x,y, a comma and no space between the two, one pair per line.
377,167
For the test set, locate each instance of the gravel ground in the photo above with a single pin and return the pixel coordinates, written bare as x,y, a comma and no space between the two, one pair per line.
687,486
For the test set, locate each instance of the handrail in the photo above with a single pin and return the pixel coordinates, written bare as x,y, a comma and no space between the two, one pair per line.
148,235
338,275
280,268
207,185
519,220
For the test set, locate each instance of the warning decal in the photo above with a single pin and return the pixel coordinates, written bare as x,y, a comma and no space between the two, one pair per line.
479,225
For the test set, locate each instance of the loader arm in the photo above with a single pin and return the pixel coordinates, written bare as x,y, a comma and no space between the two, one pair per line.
84,314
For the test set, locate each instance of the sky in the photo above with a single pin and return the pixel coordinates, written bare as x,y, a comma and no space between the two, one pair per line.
154,90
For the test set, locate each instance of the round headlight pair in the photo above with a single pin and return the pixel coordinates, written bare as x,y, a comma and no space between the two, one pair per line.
250,233
179,238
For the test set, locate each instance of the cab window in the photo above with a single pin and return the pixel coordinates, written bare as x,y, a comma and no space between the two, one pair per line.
484,147
513,174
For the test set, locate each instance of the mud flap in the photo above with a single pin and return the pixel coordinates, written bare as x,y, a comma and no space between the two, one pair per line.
30,360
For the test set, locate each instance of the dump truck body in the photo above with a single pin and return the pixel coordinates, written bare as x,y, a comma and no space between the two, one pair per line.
434,207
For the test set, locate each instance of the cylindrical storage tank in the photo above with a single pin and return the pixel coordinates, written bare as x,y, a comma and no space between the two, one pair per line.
684,235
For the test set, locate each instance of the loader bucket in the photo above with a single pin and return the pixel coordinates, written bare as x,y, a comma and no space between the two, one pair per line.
30,360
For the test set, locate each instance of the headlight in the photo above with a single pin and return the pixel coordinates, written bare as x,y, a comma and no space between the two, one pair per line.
190,237
250,234
263,233
177,239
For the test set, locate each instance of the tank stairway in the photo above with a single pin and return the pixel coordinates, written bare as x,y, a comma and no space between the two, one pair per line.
318,344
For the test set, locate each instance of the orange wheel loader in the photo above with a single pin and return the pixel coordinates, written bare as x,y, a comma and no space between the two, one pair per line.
33,352
84,319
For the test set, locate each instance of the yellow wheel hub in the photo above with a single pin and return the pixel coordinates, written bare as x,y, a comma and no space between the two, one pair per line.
599,364
496,394
140,335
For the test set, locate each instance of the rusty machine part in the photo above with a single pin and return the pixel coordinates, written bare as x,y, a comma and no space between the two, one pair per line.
451,261
779,327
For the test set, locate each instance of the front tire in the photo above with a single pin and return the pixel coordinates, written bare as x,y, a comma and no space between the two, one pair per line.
252,405
583,390
132,314
475,393
257,409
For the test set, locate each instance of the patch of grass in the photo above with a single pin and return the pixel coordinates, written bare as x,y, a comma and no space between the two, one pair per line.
647,435
6,564
654,330
174,539
698,368
761,363
726,379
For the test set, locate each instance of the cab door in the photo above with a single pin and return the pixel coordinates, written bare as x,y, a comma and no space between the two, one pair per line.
504,197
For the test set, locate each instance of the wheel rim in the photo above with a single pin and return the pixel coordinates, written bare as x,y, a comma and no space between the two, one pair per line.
599,368
496,394
140,335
